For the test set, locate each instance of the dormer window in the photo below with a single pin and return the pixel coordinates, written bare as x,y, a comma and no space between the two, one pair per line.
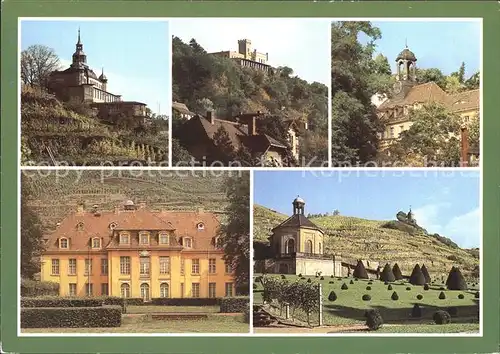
124,239
200,226
63,243
187,242
112,226
144,238
96,242
79,226
164,239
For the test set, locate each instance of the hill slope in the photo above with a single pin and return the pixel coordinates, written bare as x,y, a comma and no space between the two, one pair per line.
54,197
356,238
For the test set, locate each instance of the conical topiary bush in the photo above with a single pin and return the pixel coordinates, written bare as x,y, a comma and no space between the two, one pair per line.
417,277
395,296
344,286
425,272
442,295
389,287
416,312
397,272
360,271
332,296
449,275
387,275
351,282
456,280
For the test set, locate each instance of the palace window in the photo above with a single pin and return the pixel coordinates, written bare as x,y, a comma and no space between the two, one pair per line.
319,248
164,239
309,246
89,289
63,243
466,119
105,289
195,289
145,291
96,242
200,226
391,132
88,266
211,290
124,265
125,290
72,266
164,265
188,242
104,266
195,266
164,290
144,264
124,239
182,290
72,289
229,268
55,267
212,266
183,266
144,238
290,246
229,289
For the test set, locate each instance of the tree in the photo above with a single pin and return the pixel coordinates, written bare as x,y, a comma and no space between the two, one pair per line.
456,280
356,77
397,272
336,212
224,149
453,84
472,83
417,277
31,233
180,155
37,62
426,274
431,75
235,234
360,271
387,274
431,139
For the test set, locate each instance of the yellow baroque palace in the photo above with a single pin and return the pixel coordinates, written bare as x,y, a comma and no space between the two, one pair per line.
139,253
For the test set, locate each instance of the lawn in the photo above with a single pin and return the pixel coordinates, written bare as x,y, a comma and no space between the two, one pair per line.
173,309
141,324
349,308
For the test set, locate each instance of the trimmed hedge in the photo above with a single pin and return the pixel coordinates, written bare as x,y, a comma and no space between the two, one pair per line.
441,317
32,288
417,277
419,297
389,287
360,271
395,296
366,297
408,288
397,272
453,311
234,304
115,301
184,301
373,320
426,287
442,295
76,317
387,274
309,280
416,312
351,282
461,296
425,272
344,286
60,302
332,296
368,288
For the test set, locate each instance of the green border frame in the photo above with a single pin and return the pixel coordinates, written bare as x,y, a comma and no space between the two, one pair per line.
488,10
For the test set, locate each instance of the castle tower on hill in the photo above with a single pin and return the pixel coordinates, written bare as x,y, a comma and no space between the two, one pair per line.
246,56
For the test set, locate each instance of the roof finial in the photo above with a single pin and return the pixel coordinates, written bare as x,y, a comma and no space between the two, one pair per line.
406,42
78,35
102,70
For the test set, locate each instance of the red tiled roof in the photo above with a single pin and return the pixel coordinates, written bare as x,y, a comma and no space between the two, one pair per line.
423,93
464,101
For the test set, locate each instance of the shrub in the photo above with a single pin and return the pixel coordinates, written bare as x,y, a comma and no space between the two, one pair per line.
476,295
185,301
442,288
368,288
441,317
426,287
419,297
258,279
389,287
456,280
115,301
283,276
331,276
300,275
366,297
397,272
331,282
395,296
302,278
453,311
360,271
344,286
356,279
60,302
425,272
387,275
385,282
309,280
416,312
51,317
322,278
135,301
234,304
417,277
351,282
246,315
442,295
449,276
332,296
461,296
373,320
408,288
370,283
32,288
254,286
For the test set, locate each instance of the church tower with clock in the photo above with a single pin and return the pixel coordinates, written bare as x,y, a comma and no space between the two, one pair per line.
406,73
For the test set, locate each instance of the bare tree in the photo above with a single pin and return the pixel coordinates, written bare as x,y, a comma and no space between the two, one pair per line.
37,62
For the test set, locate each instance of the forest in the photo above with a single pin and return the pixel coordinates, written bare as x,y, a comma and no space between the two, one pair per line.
207,82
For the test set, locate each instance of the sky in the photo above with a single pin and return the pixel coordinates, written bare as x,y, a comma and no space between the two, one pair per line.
444,202
436,44
135,54
300,44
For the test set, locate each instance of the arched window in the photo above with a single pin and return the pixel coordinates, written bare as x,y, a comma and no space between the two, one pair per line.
283,268
319,248
63,243
145,291
96,242
290,246
309,246
164,290
187,242
125,290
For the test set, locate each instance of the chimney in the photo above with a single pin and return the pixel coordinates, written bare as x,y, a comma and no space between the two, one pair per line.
210,117
80,208
117,209
252,124
200,210
142,205
464,147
